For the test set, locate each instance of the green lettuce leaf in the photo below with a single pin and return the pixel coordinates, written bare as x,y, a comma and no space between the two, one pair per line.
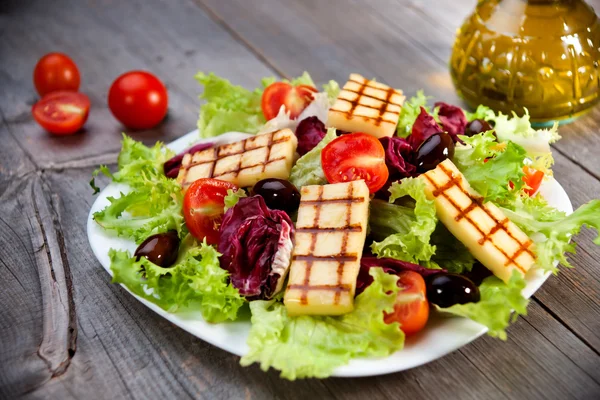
233,197
491,168
409,113
313,346
228,107
498,300
303,79
153,203
552,230
482,112
535,142
387,219
412,242
195,283
332,88
308,170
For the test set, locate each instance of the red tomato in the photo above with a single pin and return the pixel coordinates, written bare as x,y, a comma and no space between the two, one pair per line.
138,100
203,206
55,71
411,309
62,113
294,98
533,179
355,156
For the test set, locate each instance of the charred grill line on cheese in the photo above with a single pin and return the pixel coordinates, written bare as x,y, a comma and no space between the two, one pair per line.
313,243
476,202
228,161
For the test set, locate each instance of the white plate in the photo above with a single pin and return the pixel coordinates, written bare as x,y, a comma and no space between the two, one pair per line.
442,335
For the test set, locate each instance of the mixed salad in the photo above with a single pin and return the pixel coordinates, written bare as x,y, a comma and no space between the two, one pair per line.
219,242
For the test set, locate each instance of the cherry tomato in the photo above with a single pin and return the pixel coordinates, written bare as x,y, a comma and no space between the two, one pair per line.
55,71
62,113
138,100
411,309
533,179
294,98
203,206
355,156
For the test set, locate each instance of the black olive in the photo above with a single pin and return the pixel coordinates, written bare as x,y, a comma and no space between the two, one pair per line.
278,194
446,289
435,149
160,249
477,126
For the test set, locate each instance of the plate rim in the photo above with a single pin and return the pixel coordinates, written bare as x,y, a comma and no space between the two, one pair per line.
354,367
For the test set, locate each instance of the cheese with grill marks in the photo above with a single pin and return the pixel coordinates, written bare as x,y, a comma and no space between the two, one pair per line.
366,106
330,235
482,227
242,163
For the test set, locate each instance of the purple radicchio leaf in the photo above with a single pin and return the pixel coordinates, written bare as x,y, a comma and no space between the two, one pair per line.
310,132
256,246
452,118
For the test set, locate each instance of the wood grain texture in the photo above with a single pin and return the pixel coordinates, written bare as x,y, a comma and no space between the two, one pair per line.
118,348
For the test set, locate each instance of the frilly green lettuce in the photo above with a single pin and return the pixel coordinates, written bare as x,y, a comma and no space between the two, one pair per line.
195,283
313,346
308,169
498,301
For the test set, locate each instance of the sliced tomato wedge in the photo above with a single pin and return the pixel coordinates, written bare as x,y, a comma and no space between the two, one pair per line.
353,157
203,206
62,112
533,179
412,308
294,98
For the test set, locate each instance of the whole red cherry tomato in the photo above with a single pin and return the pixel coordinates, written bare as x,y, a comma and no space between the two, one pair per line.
55,71
138,100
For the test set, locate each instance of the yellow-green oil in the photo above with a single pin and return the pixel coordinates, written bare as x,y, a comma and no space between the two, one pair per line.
542,55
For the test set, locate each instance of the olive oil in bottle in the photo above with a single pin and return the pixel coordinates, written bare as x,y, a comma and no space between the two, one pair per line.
540,54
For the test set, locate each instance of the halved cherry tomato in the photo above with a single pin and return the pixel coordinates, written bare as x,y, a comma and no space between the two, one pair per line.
55,71
412,308
355,156
62,113
203,206
138,100
294,98
533,179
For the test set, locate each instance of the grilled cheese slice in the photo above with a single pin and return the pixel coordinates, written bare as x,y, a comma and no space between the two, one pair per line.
330,235
482,227
366,106
242,163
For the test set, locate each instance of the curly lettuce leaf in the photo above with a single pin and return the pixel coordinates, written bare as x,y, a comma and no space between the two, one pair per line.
308,170
195,282
412,242
498,301
233,197
332,88
494,170
153,203
535,142
409,113
552,230
313,346
228,107
482,112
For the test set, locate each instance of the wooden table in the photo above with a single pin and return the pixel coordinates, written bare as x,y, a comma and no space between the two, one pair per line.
67,332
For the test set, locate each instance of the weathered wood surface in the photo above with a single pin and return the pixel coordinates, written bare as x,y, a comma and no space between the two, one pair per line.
68,333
